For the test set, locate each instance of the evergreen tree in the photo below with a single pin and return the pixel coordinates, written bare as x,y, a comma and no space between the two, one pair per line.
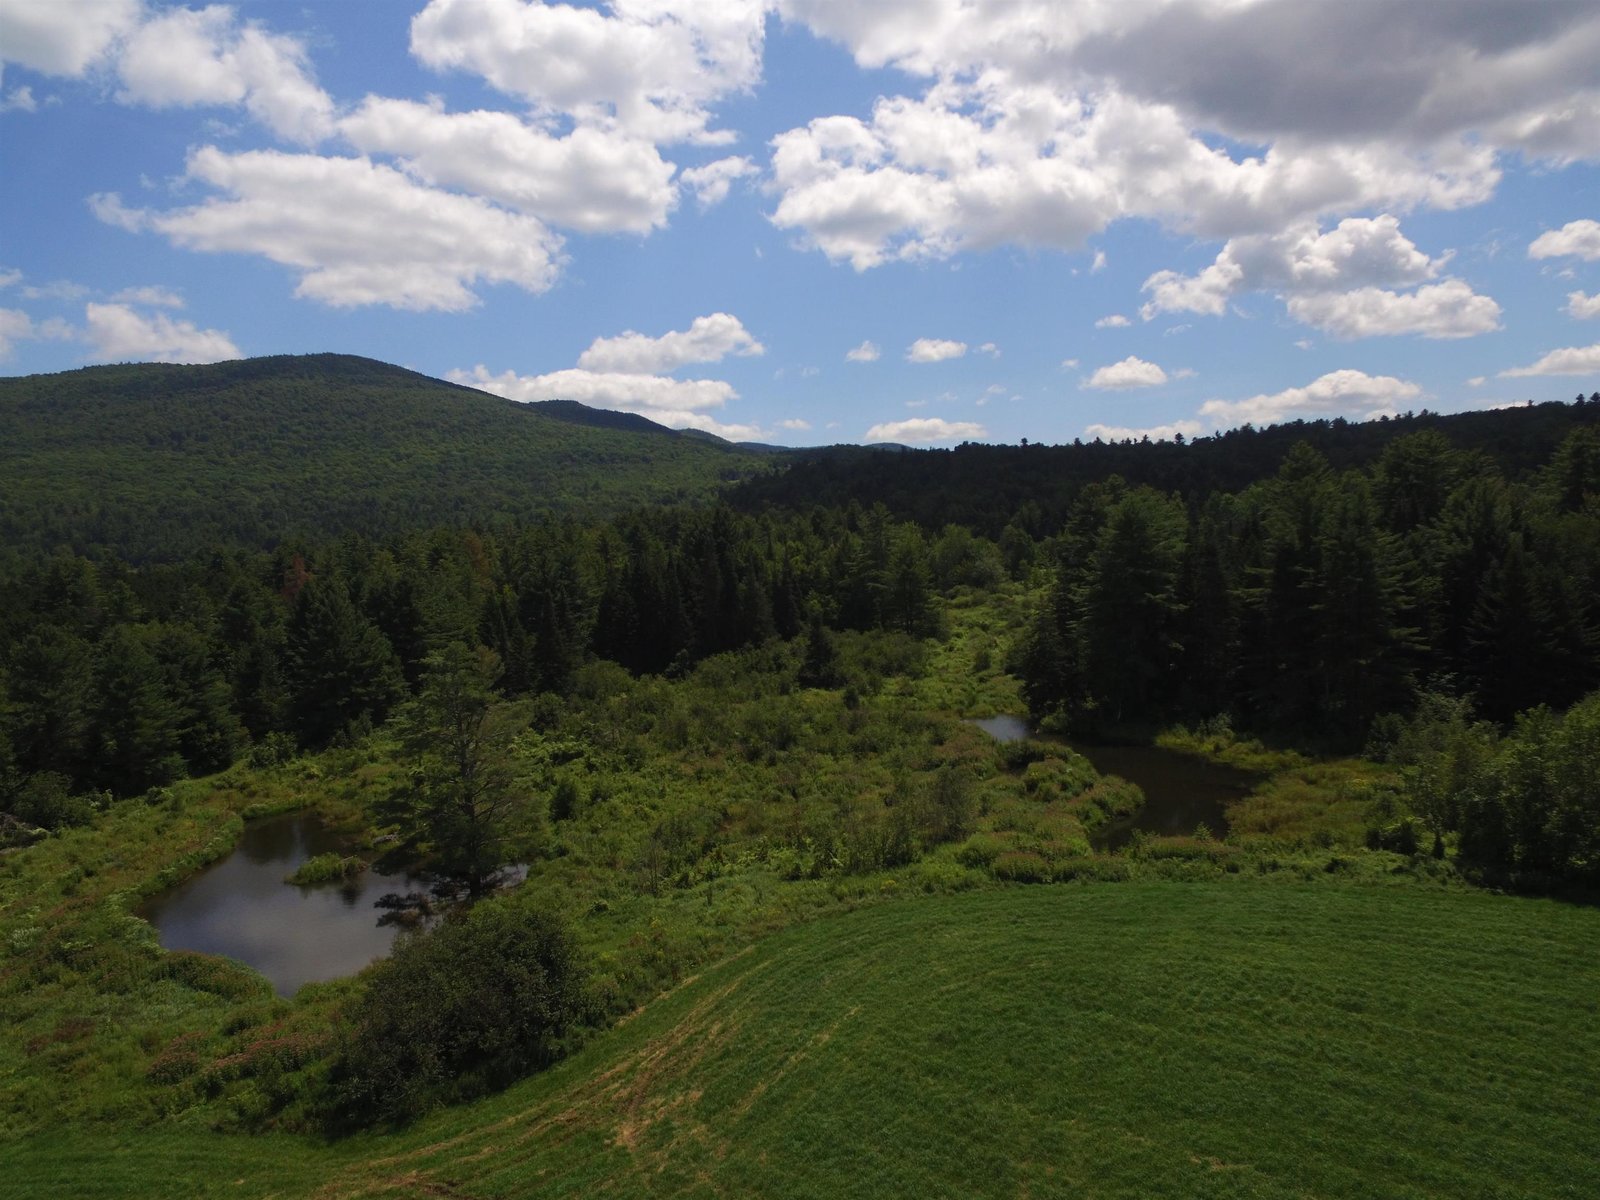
343,675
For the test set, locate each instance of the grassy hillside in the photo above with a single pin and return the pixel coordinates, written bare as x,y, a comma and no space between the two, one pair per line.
1143,1039
156,461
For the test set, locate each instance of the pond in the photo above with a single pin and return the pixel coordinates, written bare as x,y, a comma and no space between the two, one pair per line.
241,907
1181,791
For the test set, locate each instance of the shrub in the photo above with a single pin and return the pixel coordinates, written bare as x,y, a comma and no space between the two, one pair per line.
326,868
1022,866
459,1011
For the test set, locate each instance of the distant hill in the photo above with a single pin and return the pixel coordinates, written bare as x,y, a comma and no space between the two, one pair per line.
986,487
155,461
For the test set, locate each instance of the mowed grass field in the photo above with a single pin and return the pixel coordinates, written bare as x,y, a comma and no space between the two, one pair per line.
1139,1040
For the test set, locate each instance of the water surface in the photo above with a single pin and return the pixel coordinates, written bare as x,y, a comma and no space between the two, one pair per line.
241,907
1181,791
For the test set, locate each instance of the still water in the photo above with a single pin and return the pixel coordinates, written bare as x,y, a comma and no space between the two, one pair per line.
241,907
1181,791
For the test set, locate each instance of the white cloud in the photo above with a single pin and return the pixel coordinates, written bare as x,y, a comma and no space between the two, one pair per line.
1099,263
1583,307
657,397
1340,281
1578,239
9,276
118,332
866,352
1038,122
932,350
796,424
1069,364
15,326
921,430
19,99
1477,381
989,348
1574,360
712,181
1442,310
593,180
151,297
63,38
185,57
1156,433
359,233
1131,372
1114,321
708,339
1338,393
644,66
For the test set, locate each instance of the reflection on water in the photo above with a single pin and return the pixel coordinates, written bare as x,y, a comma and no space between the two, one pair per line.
240,907
1181,791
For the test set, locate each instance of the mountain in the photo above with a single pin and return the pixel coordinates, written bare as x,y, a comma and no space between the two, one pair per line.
155,461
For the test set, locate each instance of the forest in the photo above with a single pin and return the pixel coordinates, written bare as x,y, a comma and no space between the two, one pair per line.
696,722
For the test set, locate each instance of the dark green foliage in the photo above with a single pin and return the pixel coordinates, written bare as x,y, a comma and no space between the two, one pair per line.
462,810
342,673
459,1011
157,462
1525,805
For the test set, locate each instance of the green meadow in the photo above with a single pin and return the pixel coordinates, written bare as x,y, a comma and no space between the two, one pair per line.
1246,1038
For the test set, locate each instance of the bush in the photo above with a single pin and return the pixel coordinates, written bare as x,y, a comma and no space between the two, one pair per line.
459,1011
1022,866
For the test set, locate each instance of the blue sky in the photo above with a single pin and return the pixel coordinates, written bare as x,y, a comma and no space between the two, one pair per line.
810,221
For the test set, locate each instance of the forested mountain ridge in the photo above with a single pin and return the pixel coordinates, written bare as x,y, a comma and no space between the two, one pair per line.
154,461
987,487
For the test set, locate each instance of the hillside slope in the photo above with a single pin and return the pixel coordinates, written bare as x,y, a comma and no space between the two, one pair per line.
1127,1040
155,461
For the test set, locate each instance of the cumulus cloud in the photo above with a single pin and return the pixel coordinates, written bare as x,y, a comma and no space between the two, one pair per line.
1341,281
1156,433
629,372
796,424
592,180
1041,123
1443,310
1576,239
63,39
1339,393
19,99
151,297
647,67
1358,252
15,326
712,181
1114,321
1131,372
186,57
1581,306
932,350
358,233
866,352
923,430
655,396
707,340
1574,360
118,332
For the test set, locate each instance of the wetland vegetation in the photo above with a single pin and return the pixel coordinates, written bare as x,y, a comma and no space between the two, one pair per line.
713,827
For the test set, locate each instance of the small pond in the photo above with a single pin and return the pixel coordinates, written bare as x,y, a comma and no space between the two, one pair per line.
241,907
1181,791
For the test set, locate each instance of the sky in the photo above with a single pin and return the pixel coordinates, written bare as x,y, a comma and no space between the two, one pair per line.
816,221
